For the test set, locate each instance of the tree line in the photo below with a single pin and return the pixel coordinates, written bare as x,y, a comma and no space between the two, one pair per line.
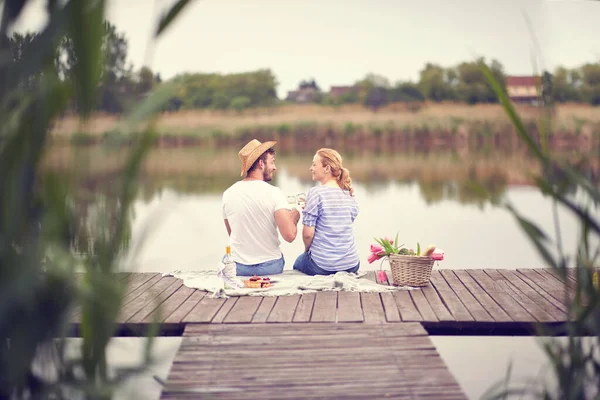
121,86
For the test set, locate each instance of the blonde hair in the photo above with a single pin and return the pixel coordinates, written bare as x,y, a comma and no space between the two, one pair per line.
334,160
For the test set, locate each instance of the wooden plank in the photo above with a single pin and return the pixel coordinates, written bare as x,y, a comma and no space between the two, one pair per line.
265,309
349,307
134,281
484,299
170,305
223,311
423,305
471,303
148,310
141,289
436,304
406,307
372,308
553,289
534,297
284,309
516,277
456,307
184,309
145,298
243,310
569,287
391,309
325,307
304,307
204,310
508,304
309,361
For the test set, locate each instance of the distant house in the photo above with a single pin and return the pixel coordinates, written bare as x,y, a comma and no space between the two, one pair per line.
337,91
524,89
307,92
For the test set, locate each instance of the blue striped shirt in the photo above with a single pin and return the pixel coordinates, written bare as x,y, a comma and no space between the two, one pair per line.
331,211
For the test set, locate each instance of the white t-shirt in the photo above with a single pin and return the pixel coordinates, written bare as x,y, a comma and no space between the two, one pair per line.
250,207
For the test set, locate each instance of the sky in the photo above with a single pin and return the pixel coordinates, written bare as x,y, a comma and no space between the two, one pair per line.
337,42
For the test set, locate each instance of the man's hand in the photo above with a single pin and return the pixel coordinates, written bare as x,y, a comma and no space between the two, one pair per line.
295,215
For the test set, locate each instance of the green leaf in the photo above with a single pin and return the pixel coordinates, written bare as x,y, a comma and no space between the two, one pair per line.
537,237
170,16
418,249
511,112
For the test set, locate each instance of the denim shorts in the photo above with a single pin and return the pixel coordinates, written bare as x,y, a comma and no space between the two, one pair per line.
266,268
304,263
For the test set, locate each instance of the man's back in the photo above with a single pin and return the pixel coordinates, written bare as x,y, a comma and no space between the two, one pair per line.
249,207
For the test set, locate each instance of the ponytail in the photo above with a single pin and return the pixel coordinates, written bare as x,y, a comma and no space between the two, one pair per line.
345,181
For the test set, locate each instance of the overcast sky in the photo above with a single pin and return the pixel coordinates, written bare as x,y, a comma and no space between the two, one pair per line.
339,41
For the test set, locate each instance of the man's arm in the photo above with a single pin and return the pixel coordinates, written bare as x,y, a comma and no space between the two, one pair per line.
286,222
308,233
228,227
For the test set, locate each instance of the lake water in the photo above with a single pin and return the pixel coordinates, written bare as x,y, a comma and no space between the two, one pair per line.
424,198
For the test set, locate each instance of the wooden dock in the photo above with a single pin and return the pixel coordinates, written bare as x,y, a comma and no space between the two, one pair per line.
333,344
456,298
326,360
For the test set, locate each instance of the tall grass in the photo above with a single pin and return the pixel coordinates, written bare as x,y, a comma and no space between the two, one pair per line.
38,282
575,362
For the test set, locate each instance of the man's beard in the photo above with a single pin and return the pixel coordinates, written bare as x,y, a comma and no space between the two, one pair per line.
267,176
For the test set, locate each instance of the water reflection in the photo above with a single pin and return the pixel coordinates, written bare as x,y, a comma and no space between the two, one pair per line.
426,197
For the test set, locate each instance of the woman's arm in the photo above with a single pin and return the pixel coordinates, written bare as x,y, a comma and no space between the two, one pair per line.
308,233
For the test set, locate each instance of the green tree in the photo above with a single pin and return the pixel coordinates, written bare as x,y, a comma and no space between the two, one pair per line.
435,84
406,92
565,85
240,103
590,88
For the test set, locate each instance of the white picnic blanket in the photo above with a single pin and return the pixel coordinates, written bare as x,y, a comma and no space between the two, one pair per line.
288,283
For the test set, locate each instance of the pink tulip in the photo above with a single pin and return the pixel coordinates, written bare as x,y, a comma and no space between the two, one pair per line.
375,249
381,276
389,240
438,256
372,257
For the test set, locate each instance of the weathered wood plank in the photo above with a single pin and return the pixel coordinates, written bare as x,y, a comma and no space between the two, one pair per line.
172,303
310,362
437,304
148,310
349,307
145,298
391,309
204,310
185,307
516,277
450,298
304,307
462,292
373,311
223,311
406,307
423,305
264,310
508,304
484,299
553,289
325,307
538,306
243,310
284,309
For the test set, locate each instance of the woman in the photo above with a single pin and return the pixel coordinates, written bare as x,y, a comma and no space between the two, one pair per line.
327,217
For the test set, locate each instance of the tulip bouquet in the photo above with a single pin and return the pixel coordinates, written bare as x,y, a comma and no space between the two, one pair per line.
386,246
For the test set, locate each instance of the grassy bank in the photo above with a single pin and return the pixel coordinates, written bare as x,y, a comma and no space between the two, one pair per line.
397,125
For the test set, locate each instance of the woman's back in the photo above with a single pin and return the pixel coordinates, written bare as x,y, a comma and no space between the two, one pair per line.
332,211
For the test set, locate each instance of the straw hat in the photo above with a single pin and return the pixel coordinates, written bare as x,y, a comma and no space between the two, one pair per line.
250,153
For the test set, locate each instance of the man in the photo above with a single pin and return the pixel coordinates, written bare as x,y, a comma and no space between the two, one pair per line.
253,211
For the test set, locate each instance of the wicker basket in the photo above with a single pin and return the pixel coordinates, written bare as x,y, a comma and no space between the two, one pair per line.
410,270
